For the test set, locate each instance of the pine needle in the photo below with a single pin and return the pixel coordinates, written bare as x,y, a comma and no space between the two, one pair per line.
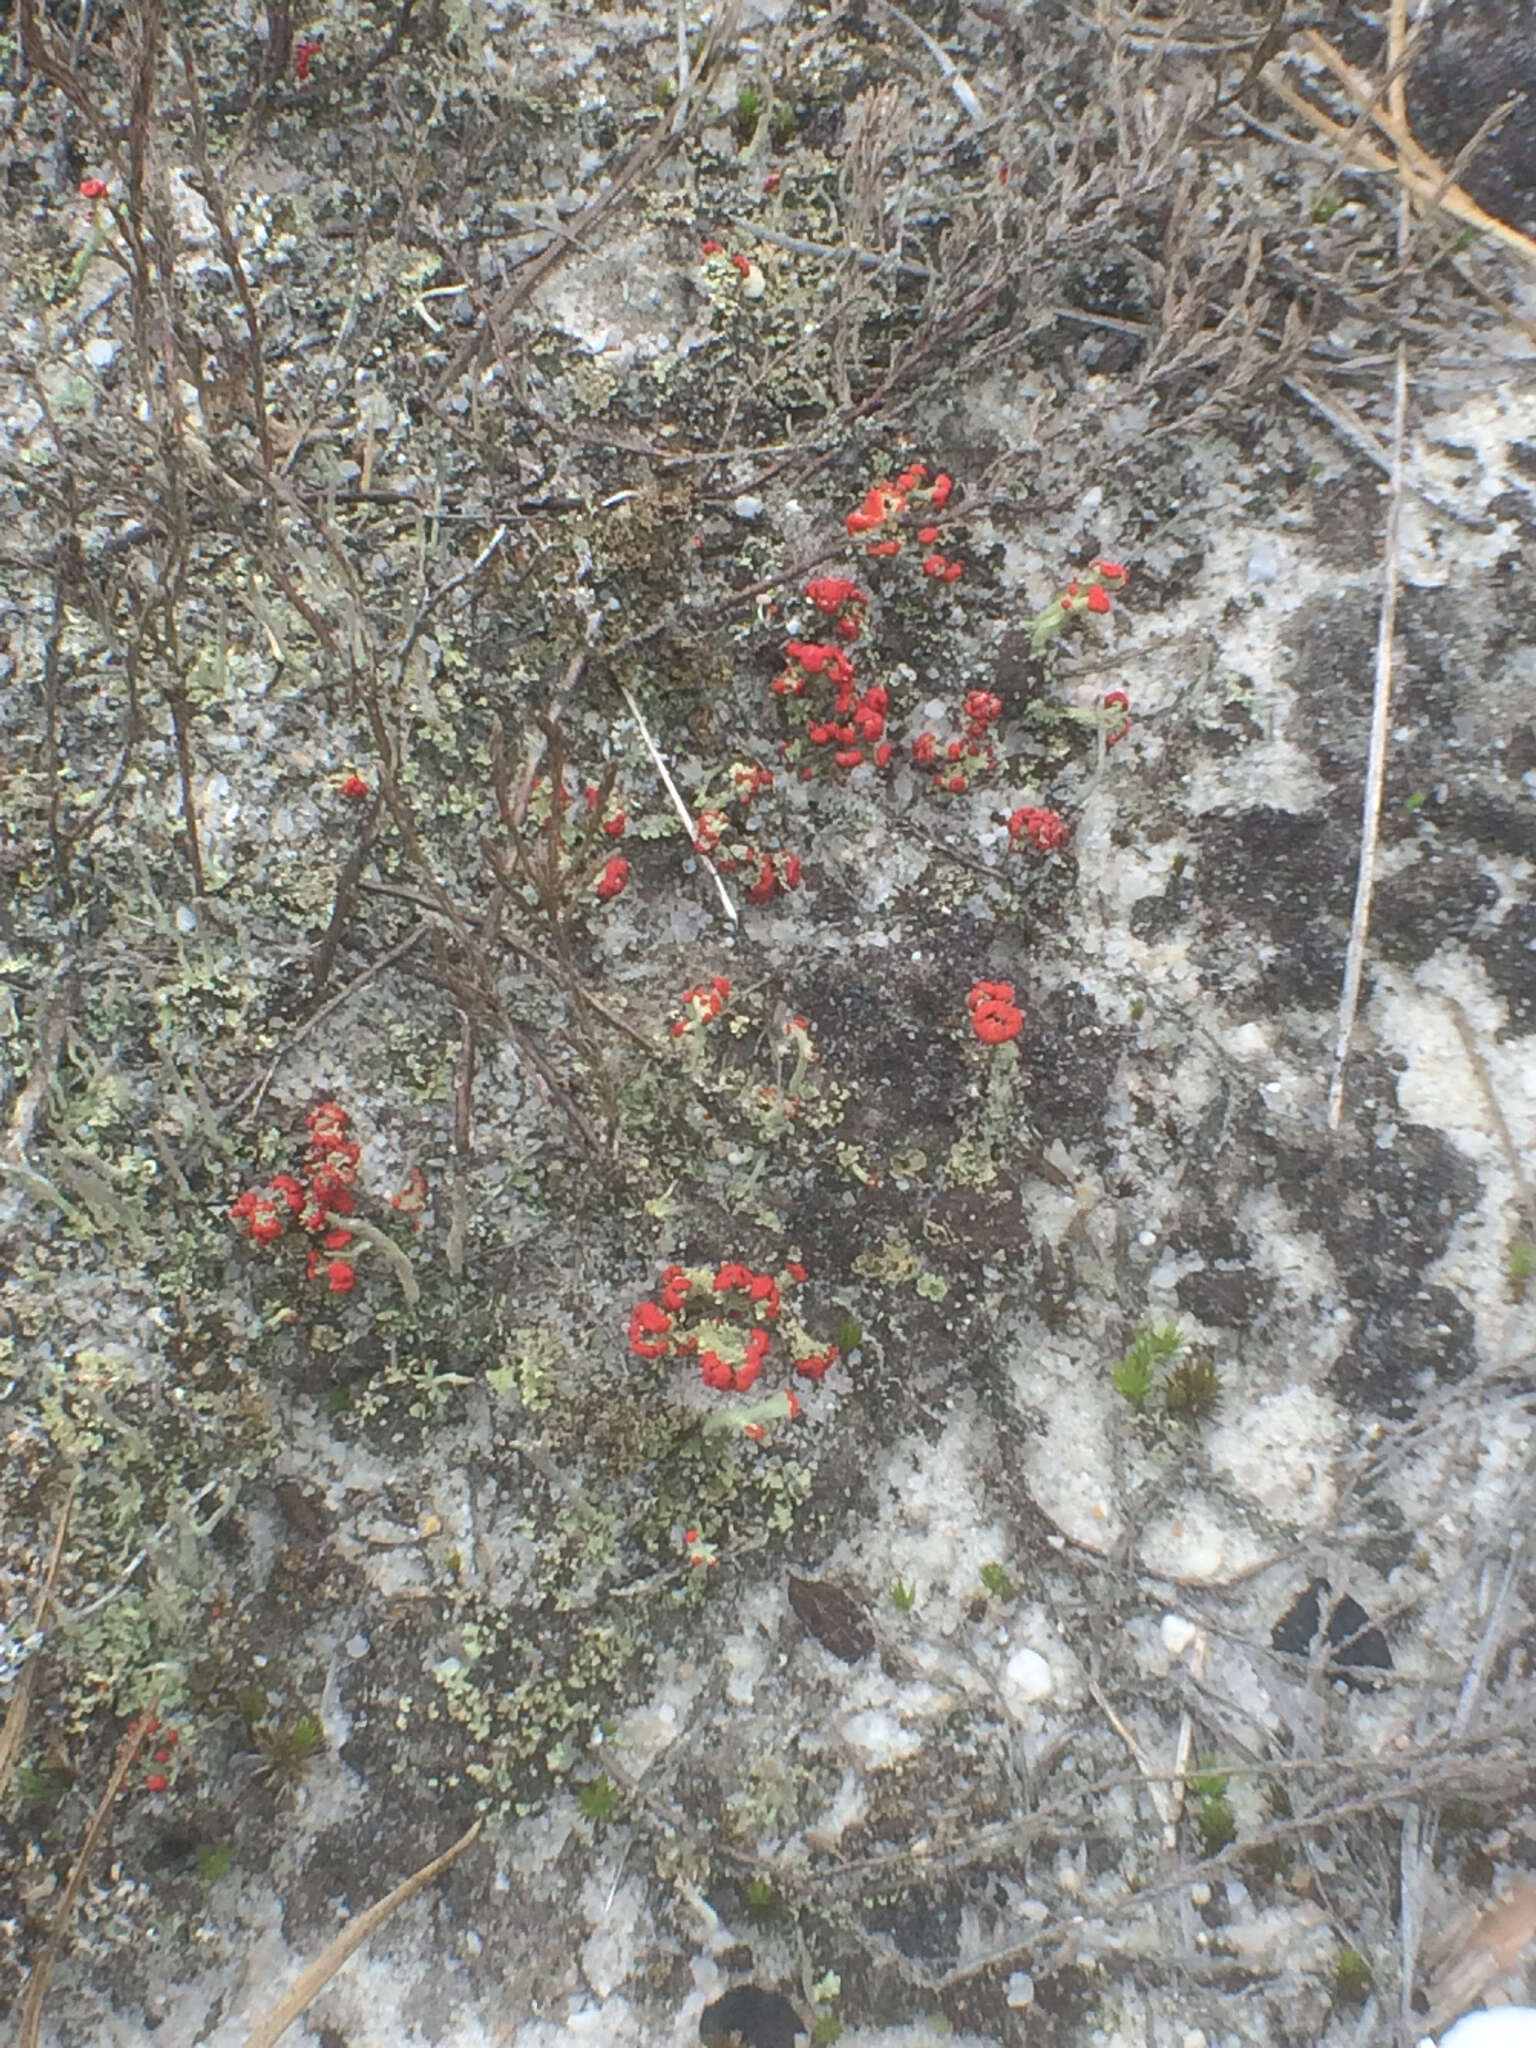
690,823
14,1732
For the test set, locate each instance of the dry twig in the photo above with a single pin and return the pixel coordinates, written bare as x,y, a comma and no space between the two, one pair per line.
1427,181
14,1732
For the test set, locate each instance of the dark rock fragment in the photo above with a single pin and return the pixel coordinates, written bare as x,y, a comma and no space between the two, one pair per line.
1354,1645
1475,55
833,1617
755,2018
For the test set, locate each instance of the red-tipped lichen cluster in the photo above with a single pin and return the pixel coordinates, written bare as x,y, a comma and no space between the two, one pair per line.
315,1199
728,1318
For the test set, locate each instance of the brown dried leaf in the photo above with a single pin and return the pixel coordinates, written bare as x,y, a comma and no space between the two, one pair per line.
1482,1953
833,1617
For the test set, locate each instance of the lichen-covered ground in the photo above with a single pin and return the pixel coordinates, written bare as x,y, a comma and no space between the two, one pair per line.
424,438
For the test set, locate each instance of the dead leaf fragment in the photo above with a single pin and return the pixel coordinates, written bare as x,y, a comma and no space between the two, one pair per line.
833,1617
1483,1953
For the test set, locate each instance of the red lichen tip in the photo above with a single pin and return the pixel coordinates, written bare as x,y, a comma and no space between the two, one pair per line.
614,879
996,1023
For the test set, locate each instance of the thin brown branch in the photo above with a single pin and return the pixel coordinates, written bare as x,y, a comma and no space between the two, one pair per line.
181,723
323,959
13,1734
212,192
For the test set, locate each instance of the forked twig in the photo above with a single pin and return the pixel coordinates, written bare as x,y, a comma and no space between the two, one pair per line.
1420,174
60,1003
953,76
1165,1792
255,1092
1488,1642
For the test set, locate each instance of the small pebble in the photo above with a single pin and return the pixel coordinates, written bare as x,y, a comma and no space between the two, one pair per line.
1020,1989
1263,562
1028,1676
1502,2026
1178,1633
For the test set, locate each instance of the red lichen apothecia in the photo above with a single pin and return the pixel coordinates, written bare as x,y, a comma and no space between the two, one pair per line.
316,1198
729,1319
995,1018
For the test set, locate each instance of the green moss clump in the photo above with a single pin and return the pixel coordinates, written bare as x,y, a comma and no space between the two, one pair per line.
1136,1374
1215,1822
598,1798
749,104
1522,1267
1352,1977
1193,1390
997,1582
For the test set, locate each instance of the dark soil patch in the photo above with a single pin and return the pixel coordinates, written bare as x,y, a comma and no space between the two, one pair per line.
1289,879
1386,1209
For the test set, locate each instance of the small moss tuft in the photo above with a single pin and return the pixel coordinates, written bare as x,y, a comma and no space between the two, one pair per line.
598,1798
749,104
764,1903
1352,1977
1193,1389
1215,1821
1522,1267
1136,1374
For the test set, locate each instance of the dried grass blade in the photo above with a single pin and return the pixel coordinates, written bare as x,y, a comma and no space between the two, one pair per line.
690,823
1376,768
313,1980
14,1732
42,1976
